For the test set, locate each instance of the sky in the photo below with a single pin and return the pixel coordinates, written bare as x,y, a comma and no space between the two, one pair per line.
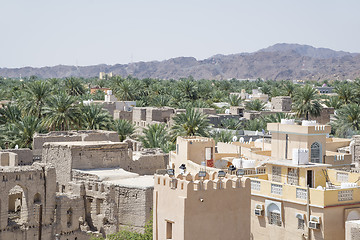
88,32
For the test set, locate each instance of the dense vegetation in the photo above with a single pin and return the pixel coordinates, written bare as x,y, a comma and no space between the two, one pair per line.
37,105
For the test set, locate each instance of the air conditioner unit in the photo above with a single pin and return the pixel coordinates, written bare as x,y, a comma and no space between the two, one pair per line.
314,225
258,212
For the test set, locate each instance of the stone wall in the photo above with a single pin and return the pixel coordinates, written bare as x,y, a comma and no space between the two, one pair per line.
66,156
281,103
25,155
71,136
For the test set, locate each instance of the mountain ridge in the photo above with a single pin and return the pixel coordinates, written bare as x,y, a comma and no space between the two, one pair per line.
277,62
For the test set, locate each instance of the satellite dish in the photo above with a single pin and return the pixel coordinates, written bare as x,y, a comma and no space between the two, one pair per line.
241,140
16,146
250,140
227,111
257,132
234,139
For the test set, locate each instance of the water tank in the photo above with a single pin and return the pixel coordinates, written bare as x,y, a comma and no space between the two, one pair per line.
248,163
308,123
288,121
300,156
237,162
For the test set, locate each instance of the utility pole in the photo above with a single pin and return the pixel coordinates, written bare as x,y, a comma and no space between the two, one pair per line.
40,220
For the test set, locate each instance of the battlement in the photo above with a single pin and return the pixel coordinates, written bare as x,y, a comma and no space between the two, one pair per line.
188,184
196,139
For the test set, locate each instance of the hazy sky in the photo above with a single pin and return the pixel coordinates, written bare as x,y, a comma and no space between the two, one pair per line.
87,32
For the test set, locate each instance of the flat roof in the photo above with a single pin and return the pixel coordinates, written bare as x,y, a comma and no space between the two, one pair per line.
289,163
120,177
86,143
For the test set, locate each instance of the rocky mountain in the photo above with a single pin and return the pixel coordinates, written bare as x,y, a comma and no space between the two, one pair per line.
280,61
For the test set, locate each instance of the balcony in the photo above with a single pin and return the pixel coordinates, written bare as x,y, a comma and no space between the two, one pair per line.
292,193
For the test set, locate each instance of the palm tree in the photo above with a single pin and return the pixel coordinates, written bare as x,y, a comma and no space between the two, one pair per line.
306,102
232,123
234,100
255,105
276,118
190,123
188,88
347,120
61,113
74,86
345,92
34,97
125,91
124,128
222,136
94,117
334,102
10,113
156,136
21,132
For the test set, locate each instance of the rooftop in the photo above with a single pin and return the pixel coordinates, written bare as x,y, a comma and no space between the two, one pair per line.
289,163
120,177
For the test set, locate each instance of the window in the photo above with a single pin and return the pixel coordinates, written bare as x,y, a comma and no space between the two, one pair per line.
169,230
255,185
275,219
276,189
301,193
276,174
346,195
301,223
208,153
69,214
293,177
316,152
342,177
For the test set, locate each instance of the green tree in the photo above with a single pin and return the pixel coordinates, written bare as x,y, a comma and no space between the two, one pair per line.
124,128
345,92
347,120
93,117
21,132
61,113
306,102
190,123
234,100
222,136
232,123
34,97
156,136
74,86
334,102
10,113
255,105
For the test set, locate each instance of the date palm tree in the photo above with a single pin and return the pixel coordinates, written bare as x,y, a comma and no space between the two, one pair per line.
94,117
61,113
190,123
124,128
306,102
9,113
34,97
155,136
234,100
74,86
347,120
345,92
255,105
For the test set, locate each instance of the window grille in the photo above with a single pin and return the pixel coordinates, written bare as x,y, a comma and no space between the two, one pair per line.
274,219
301,193
315,153
346,195
301,223
276,174
293,176
255,185
342,177
276,189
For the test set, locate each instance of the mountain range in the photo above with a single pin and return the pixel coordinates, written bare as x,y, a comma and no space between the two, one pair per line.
281,61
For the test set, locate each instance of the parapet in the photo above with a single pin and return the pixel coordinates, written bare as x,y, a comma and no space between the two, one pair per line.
187,184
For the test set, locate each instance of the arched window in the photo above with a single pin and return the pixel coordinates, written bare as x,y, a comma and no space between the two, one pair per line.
69,215
274,214
316,152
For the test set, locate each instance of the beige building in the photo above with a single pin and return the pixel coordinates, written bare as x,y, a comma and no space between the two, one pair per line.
189,208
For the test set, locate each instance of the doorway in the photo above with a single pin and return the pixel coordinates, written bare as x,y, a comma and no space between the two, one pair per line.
310,178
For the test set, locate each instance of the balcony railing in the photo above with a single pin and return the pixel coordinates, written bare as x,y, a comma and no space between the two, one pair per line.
318,197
